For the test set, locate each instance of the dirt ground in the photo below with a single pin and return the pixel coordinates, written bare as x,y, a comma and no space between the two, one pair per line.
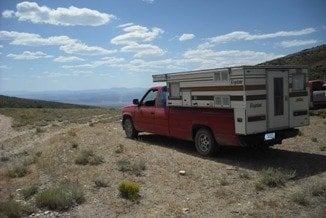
211,187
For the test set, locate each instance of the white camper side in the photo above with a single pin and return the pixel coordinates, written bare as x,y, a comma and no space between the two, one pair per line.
263,98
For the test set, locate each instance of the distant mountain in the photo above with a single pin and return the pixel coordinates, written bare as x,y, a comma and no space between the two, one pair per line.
114,97
13,102
314,57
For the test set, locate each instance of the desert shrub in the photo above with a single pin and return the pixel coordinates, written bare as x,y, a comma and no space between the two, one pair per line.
4,158
91,124
101,182
29,160
275,177
300,133
88,157
119,149
39,130
129,190
61,197
322,147
30,191
314,139
224,181
300,198
318,189
259,186
74,145
13,208
136,167
244,174
17,170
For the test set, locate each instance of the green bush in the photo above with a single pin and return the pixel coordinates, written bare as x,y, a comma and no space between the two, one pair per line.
244,174
300,198
129,190
100,182
322,147
12,208
17,170
275,177
61,197
314,139
88,157
119,149
136,167
30,191
318,189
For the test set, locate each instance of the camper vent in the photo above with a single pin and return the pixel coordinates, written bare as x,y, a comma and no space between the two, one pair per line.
222,76
222,101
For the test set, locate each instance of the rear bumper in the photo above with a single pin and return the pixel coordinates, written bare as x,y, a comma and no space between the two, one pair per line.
259,139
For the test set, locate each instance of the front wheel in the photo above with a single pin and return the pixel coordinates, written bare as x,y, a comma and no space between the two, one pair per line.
129,128
205,142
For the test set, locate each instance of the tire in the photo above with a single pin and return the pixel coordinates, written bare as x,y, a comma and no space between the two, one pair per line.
205,142
129,128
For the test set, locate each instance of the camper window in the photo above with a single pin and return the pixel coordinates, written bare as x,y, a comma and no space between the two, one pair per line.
222,76
174,90
298,82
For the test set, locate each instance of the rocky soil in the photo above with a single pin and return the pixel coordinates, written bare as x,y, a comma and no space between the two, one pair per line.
219,186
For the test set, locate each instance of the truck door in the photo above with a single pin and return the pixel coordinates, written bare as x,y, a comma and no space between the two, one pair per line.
162,114
145,116
278,99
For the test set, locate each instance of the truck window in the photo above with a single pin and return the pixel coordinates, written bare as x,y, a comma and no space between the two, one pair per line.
162,99
149,99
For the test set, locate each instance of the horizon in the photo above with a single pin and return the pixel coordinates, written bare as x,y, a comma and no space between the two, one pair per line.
78,46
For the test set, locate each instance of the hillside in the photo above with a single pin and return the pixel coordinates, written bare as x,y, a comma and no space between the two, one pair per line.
13,102
314,57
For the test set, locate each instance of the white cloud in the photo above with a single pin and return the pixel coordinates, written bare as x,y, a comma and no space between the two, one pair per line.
186,36
148,1
208,58
65,59
31,11
136,38
106,61
125,25
139,65
142,49
5,67
81,48
241,35
136,33
8,13
65,43
295,43
28,55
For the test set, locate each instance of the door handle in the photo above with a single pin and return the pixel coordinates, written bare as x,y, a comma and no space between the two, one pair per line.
152,113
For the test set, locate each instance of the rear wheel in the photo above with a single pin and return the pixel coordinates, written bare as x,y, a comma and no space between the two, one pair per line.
129,128
205,142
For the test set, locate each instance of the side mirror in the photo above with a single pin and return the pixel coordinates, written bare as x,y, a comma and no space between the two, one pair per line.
135,101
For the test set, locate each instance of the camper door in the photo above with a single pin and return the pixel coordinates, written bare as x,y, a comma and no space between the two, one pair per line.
278,99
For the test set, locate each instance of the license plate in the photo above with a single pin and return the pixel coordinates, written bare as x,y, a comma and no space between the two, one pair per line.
269,136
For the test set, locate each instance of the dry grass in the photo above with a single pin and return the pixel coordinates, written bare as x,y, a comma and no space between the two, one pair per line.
13,208
61,197
42,117
164,193
88,157
275,177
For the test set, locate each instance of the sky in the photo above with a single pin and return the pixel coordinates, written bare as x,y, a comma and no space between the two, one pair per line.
100,44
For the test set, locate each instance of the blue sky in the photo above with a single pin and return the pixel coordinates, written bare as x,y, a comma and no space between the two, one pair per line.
78,45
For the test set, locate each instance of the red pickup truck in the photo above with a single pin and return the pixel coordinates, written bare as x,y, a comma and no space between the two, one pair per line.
207,127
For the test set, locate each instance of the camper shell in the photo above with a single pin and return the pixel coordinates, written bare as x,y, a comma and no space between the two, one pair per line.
262,98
